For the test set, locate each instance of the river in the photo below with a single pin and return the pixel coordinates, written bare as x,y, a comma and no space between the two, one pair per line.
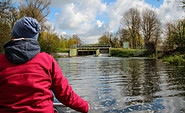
122,85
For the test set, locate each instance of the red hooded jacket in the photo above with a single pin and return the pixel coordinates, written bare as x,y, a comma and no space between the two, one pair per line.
26,87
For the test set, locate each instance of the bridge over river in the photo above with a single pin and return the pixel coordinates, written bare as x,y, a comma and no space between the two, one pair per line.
89,50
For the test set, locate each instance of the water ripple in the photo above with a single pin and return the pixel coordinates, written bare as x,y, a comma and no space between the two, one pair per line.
121,85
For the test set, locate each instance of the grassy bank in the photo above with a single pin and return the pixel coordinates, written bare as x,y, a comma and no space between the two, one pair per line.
176,59
63,50
61,53
176,56
119,52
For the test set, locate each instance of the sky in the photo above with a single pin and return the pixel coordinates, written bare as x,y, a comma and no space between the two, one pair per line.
89,19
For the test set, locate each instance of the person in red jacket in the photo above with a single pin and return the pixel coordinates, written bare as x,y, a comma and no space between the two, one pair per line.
28,77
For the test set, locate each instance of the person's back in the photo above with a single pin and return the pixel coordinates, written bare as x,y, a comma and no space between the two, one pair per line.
28,76
26,87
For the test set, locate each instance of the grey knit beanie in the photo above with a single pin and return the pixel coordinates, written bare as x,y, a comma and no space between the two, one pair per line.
26,27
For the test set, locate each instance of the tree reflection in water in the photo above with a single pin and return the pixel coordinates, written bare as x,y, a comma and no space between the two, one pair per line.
126,84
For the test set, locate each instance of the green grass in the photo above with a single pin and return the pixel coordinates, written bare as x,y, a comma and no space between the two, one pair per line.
176,59
119,52
62,50
176,56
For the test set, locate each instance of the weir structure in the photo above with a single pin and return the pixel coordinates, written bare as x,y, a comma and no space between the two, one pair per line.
89,50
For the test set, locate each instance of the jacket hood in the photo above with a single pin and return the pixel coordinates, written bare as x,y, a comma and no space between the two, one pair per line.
21,51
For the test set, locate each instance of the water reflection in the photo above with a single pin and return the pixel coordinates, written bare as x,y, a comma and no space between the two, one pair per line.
126,84
176,81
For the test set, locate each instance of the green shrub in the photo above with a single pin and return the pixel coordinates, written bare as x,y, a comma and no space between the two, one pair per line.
177,59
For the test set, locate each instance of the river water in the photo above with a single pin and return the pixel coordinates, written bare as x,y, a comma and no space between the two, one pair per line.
126,85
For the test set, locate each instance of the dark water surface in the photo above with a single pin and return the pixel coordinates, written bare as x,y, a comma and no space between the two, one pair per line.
121,85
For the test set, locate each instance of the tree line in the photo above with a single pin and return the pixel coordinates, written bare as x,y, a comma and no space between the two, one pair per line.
49,41
145,30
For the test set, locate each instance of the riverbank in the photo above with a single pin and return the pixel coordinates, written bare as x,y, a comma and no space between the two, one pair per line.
61,53
113,52
176,57
119,52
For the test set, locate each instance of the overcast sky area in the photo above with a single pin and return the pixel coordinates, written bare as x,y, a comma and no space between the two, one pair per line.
89,19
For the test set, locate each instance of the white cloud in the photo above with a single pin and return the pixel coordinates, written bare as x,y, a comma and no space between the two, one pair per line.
170,10
83,17
90,39
60,3
50,27
71,18
116,10
75,14
63,33
79,16
99,23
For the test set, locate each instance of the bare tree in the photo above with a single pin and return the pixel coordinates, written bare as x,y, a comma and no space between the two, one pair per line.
37,9
8,15
77,38
150,26
123,36
132,20
115,42
156,39
110,37
179,33
183,4
169,33
104,40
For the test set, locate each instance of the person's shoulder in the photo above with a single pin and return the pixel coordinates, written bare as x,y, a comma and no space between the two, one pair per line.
45,56
4,61
2,56
43,53
44,59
